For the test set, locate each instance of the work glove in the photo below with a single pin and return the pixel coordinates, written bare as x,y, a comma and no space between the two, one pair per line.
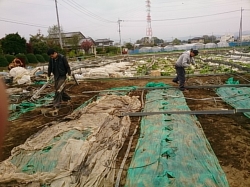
47,77
192,67
69,78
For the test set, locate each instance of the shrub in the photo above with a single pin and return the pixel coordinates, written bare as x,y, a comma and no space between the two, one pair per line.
3,61
112,50
80,53
9,58
40,58
100,50
31,58
46,57
72,54
108,50
23,58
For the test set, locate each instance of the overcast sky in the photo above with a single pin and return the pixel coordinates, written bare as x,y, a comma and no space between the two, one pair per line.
99,18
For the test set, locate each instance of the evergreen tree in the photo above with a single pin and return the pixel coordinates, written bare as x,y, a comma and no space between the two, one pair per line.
38,44
13,44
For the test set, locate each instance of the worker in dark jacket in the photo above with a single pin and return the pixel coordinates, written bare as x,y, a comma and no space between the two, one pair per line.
58,65
185,60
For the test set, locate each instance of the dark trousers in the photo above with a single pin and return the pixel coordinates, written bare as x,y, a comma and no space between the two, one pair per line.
60,96
180,71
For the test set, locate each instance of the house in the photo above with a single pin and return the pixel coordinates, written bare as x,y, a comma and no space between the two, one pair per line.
69,40
103,42
196,40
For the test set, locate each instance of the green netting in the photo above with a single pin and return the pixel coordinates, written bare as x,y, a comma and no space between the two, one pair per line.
239,97
26,106
45,160
125,88
40,82
158,84
172,149
232,81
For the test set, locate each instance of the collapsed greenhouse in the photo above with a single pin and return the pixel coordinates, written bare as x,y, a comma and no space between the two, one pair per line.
128,127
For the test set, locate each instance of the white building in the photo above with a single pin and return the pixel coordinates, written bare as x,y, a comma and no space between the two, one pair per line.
227,38
245,38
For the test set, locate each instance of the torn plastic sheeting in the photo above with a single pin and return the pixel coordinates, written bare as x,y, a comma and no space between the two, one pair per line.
98,72
20,75
172,149
239,97
29,161
79,152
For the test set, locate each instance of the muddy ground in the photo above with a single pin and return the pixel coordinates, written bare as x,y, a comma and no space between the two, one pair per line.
229,135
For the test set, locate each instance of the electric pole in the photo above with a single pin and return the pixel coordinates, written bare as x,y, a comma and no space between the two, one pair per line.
119,30
240,32
58,24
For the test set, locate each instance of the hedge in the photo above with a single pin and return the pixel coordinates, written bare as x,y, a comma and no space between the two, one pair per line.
46,57
9,58
3,61
40,58
31,58
23,58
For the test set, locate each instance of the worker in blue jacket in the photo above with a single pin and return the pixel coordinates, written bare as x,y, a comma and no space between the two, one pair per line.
59,66
185,60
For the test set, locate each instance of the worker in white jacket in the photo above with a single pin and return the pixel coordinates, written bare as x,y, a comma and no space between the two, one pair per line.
185,60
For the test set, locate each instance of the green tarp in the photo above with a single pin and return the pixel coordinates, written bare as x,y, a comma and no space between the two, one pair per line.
239,97
172,149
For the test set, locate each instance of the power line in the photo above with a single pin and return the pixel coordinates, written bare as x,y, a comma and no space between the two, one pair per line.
76,13
202,4
192,17
43,26
31,3
78,7
20,23
91,13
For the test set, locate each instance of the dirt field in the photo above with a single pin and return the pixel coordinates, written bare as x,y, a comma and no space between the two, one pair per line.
229,135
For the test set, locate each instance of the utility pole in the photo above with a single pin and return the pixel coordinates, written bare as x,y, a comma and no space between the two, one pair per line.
119,30
240,32
58,24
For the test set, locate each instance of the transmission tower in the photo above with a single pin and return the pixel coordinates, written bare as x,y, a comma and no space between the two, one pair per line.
148,29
